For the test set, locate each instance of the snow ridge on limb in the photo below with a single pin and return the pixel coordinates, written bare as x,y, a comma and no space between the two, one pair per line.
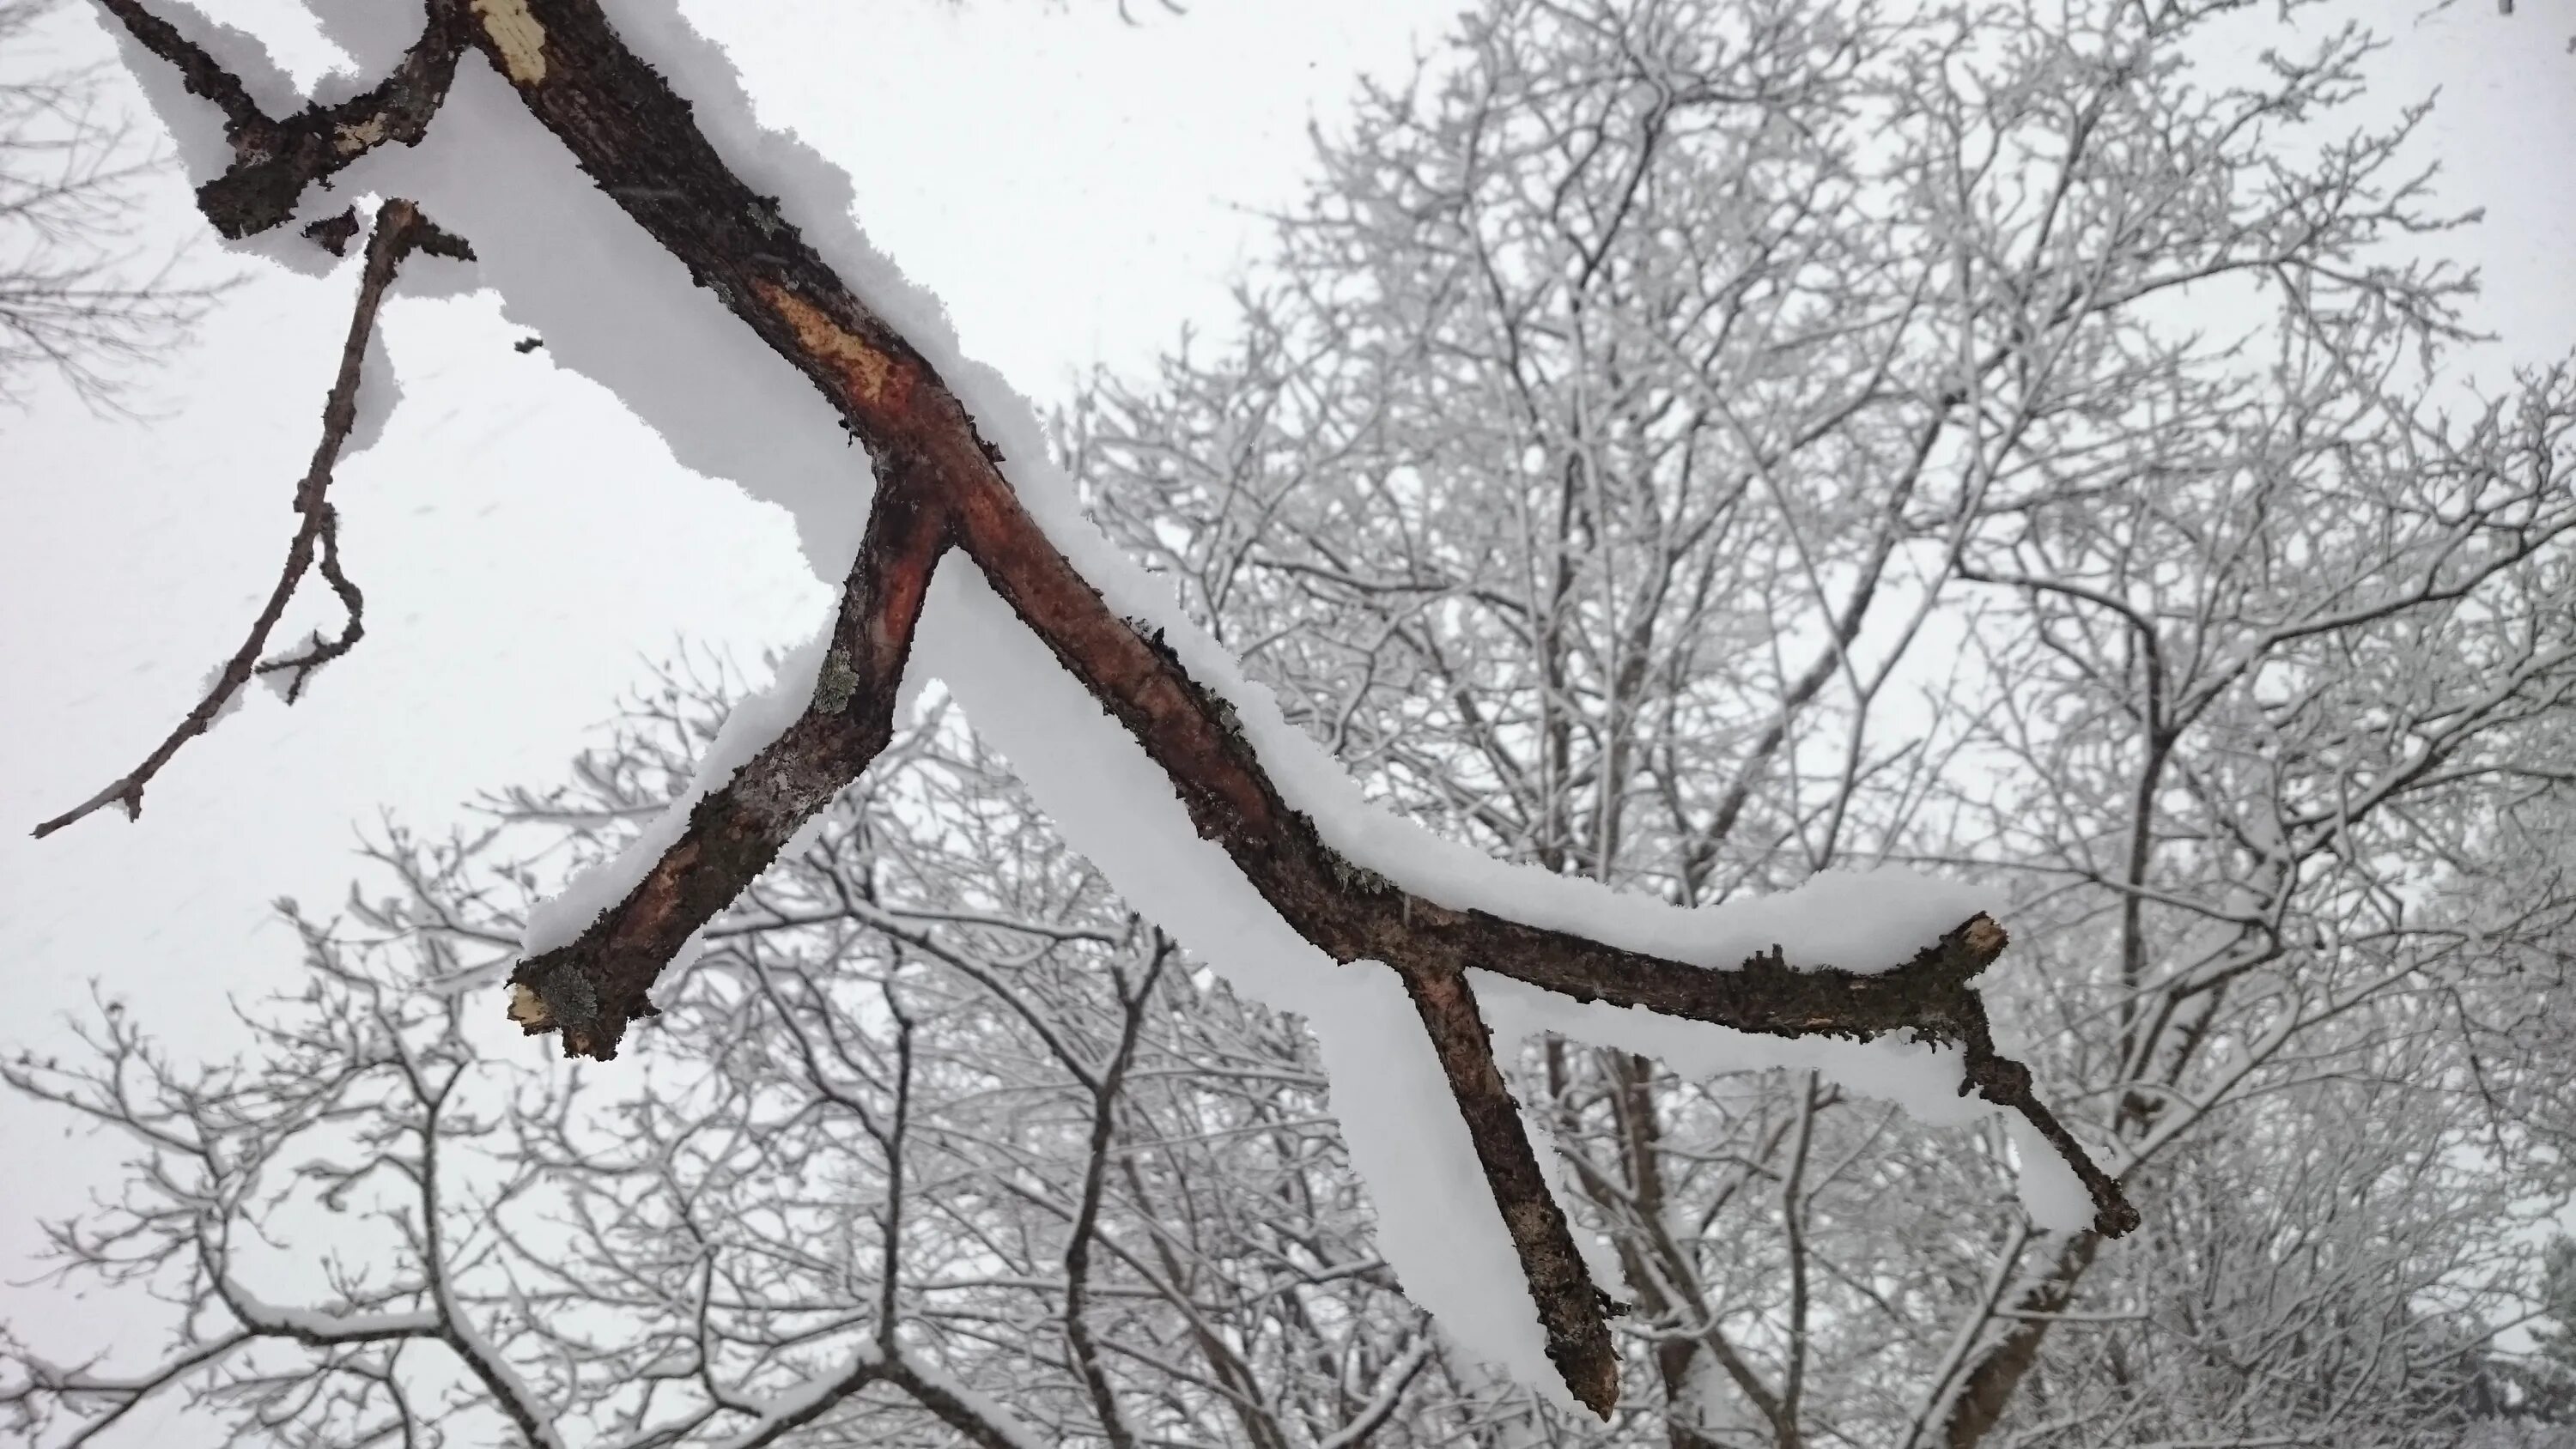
1244,781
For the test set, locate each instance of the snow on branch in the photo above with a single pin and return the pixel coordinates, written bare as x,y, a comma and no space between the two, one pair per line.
275,160
1260,841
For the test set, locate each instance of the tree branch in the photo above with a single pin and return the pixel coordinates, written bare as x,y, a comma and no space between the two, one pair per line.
400,230
274,160
938,484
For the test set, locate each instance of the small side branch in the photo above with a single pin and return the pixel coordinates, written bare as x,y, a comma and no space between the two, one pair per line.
2007,1083
400,230
274,160
589,990
1571,1307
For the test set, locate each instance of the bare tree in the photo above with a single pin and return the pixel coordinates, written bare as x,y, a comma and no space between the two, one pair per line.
937,1141
76,302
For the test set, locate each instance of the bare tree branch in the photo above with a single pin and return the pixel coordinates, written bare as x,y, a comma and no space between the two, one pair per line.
275,160
400,230
76,299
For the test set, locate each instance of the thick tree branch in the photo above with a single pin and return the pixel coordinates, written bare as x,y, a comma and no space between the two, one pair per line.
400,230
938,485
1574,1311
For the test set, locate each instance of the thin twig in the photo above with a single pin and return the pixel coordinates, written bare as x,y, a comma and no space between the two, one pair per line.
400,229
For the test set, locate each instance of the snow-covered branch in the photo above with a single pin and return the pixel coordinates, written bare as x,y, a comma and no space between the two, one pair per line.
1352,886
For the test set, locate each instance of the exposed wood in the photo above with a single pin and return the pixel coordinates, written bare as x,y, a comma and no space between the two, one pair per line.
589,990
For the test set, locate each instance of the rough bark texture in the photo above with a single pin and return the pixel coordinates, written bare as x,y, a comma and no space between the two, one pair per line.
938,485
1570,1307
1997,1375
590,989
274,160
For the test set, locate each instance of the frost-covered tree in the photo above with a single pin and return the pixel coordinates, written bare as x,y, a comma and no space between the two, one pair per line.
72,305
1139,733
938,1140
1698,448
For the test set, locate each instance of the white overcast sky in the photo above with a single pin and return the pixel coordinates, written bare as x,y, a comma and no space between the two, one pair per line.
1076,190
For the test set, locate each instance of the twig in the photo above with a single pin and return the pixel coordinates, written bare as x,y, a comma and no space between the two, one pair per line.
1105,1085
400,229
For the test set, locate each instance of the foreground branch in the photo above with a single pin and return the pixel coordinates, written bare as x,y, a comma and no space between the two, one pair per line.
400,230
275,160
938,487
592,988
